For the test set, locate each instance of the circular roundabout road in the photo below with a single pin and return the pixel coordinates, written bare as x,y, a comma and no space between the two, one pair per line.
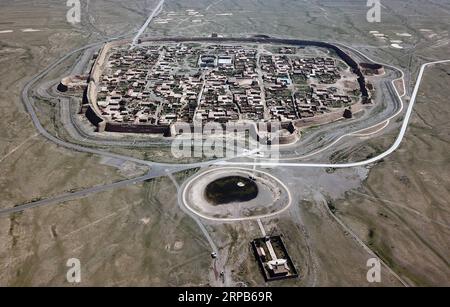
273,196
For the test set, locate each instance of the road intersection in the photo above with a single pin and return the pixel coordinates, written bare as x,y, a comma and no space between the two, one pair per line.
156,170
162,169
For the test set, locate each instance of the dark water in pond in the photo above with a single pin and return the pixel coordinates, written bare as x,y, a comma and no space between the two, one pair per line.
231,189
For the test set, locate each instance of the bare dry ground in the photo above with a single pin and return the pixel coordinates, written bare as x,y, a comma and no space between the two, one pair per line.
133,236
138,235
322,252
31,167
402,211
421,26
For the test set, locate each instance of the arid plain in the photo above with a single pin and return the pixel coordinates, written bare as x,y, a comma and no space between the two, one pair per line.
138,235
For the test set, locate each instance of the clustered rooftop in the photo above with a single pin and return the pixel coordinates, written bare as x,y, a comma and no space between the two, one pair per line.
186,82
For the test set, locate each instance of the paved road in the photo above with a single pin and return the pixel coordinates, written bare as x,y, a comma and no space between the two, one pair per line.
71,196
193,216
153,173
361,243
361,132
156,168
155,12
388,152
184,203
160,169
96,140
30,109
39,127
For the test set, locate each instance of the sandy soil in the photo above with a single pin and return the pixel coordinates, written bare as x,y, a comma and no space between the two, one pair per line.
132,236
271,198
139,236
402,210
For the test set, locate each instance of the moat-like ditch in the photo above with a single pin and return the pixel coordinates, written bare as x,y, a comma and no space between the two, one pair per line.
231,189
